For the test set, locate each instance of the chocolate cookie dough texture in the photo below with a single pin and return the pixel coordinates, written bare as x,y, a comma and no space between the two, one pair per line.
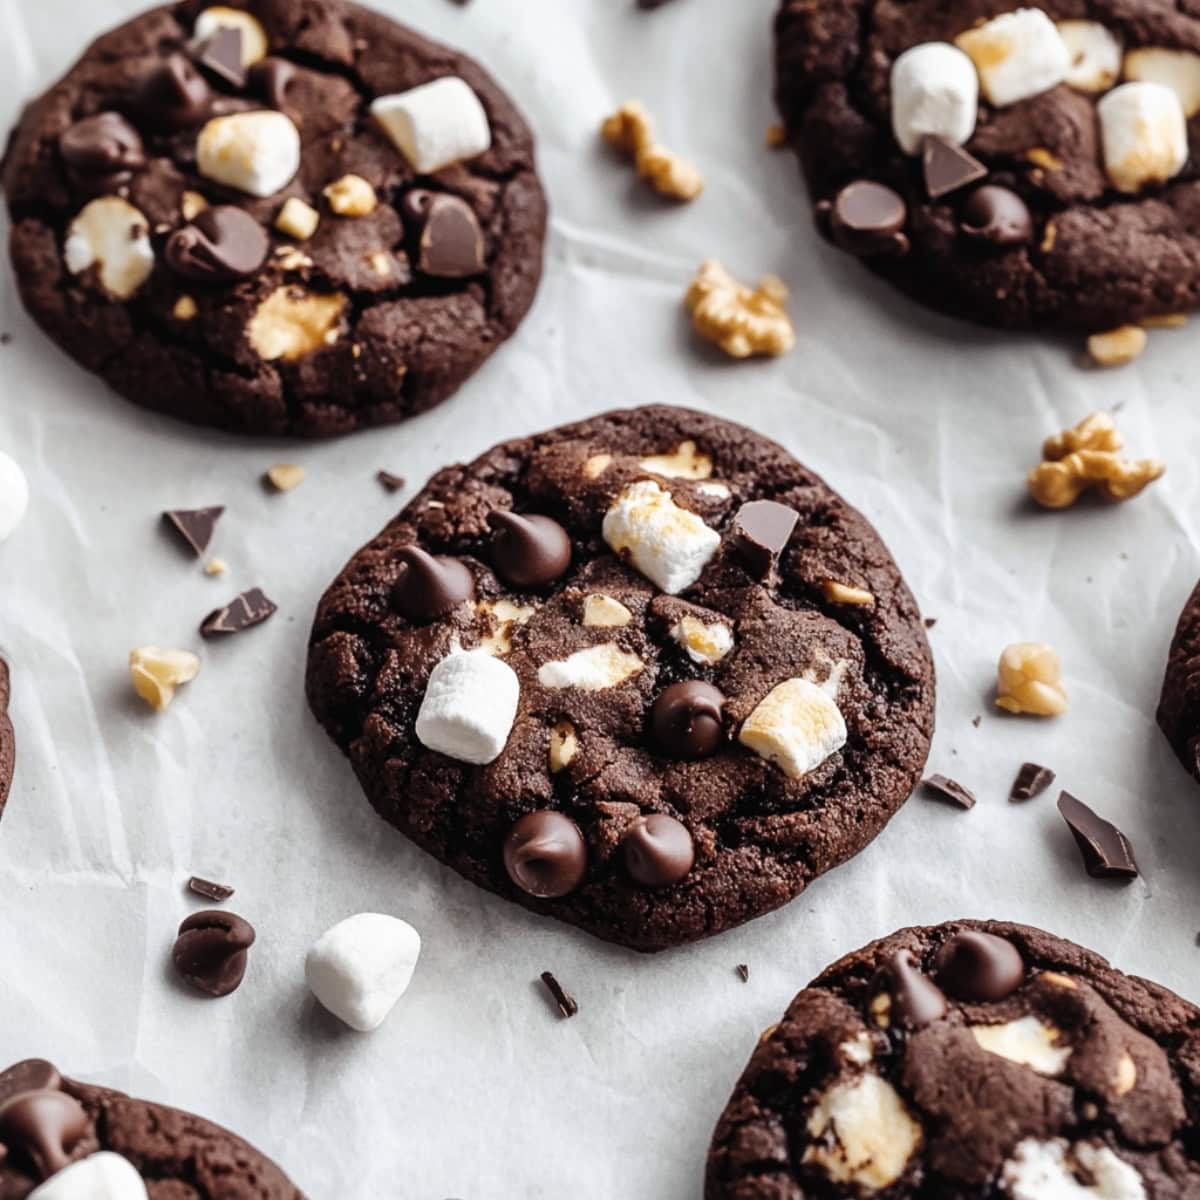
275,218
1179,707
599,672
968,1060
1021,167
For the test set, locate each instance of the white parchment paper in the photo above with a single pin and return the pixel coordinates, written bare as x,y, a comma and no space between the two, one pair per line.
474,1088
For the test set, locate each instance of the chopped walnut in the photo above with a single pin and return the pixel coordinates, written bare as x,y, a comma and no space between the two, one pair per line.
1118,346
157,673
1029,681
351,196
291,323
740,320
1089,456
630,130
1126,1076
595,466
845,593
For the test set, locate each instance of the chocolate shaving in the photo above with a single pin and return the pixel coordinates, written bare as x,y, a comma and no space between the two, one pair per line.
242,612
393,483
208,889
1032,780
743,971
1106,851
950,789
566,1003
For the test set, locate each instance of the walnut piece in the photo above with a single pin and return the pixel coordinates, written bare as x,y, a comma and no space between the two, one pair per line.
1089,456
631,131
156,673
846,593
564,745
740,320
351,196
1030,681
285,476
1118,346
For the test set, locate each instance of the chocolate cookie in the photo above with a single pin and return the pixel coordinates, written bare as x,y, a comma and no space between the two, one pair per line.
964,1061
276,217
8,739
645,673
993,166
112,1145
1179,707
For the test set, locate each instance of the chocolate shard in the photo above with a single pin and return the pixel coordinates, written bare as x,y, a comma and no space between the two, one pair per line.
948,167
393,483
761,530
1032,780
250,608
208,889
743,972
1106,851
950,789
194,525
221,54
563,999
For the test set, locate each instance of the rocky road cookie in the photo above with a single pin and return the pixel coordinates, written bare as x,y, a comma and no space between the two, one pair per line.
645,673
276,217
1023,167
1179,708
968,1061
64,1140
8,739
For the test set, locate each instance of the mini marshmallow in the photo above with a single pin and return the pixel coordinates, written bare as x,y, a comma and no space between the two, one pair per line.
436,124
256,152
1027,1041
1144,135
1177,69
591,670
112,235
668,544
100,1176
362,966
1095,53
797,726
14,496
1044,1171
469,707
935,92
254,37
1018,55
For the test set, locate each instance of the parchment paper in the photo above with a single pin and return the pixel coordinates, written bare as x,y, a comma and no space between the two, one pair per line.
475,1088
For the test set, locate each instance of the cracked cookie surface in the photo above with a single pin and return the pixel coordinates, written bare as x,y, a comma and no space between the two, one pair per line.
1179,707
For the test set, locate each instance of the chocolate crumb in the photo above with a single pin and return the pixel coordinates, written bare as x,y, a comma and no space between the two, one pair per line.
743,971
977,720
930,622
393,483
208,889
1032,780
566,1003
950,789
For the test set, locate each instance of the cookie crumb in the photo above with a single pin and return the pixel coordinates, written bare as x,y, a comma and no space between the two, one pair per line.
564,1001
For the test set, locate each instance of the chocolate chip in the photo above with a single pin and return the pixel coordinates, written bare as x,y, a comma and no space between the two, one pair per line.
685,720
222,55
948,167
221,245
1032,780
743,971
194,525
242,612
950,789
393,483
102,152
658,850
866,218
172,95
978,966
996,216
1107,853
29,1075
760,533
208,889
447,239
528,551
211,951
43,1127
916,1000
271,79
545,854
428,587
565,1002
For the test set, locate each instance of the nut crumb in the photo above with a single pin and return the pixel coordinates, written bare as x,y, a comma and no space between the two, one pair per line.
157,673
1029,681
1165,321
1049,237
845,593
1041,157
564,745
185,309
1117,347
216,566
351,196
740,320
285,476
631,131
1087,456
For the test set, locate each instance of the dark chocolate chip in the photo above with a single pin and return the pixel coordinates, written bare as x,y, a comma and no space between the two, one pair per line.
760,533
208,889
428,587
545,854
211,951
685,720
948,168
102,152
1032,780
1107,853
978,966
445,232
29,1075
743,971
996,216
393,483
194,525
916,1000
658,850
563,1000
43,1127
528,551
221,55
950,789
271,79
866,218
242,612
172,95
221,245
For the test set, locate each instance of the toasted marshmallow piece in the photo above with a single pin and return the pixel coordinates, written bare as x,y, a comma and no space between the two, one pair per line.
100,1176
797,726
256,152
1051,1171
436,124
14,496
704,643
935,91
1027,1041
111,234
591,670
254,36
362,966
1177,69
469,706
1144,135
605,612
1018,55
668,544
1095,54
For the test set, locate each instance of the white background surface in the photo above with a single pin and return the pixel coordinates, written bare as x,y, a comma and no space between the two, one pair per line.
474,1088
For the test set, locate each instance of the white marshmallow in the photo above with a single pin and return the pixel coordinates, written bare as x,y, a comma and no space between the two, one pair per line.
935,91
1144,135
591,670
797,726
256,152
668,544
362,966
1095,53
1018,55
469,706
254,36
14,496
1042,1171
1177,69
1027,1041
100,1176
111,234
436,124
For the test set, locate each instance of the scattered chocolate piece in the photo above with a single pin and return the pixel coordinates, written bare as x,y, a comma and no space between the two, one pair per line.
528,551
977,720
222,55
194,525
948,167
996,216
743,971
658,850
172,95
649,4
930,622
242,612
43,1126
916,1000
447,239
208,889
865,218
686,720
567,1004
979,966
760,533
545,854
1032,780
271,79
950,789
1107,853
221,245
211,951
429,587
393,483
102,152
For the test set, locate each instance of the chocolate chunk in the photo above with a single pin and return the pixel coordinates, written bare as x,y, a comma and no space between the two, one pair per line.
545,854
172,95
528,551
979,966
658,850
29,1075
428,587
930,622
194,525
563,999
1107,853
43,1127
743,971
916,1000
948,167
649,4
760,532
221,54
996,216
271,79
211,951
208,889
866,218
102,152
221,245
950,789
242,612
393,483
685,720
1032,780
447,239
